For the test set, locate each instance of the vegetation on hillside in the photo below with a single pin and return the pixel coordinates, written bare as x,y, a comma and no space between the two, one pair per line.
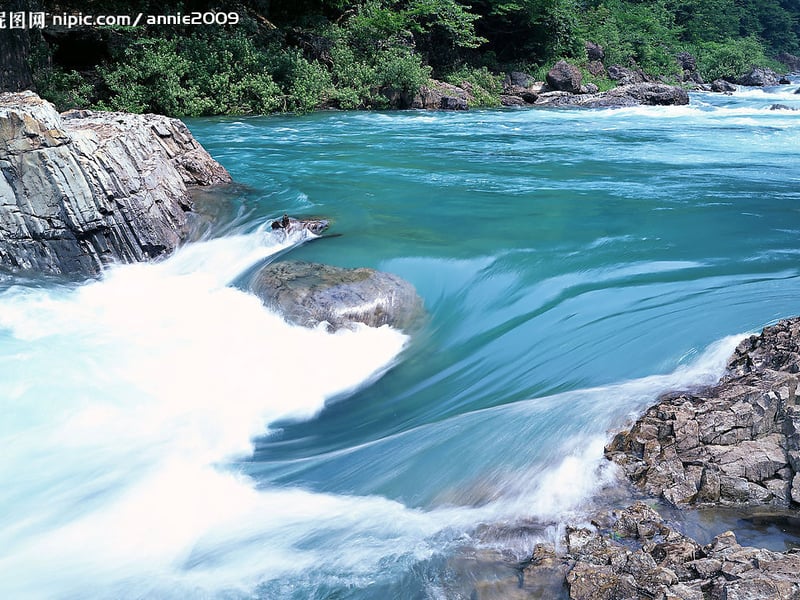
298,55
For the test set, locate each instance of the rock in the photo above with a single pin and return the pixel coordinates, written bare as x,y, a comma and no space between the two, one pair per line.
565,77
722,86
308,294
81,190
595,52
781,107
596,68
518,79
442,96
687,61
509,100
290,225
759,76
626,95
791,61
589,88
625,76
735,443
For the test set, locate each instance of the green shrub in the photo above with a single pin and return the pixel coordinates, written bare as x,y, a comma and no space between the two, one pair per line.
729,59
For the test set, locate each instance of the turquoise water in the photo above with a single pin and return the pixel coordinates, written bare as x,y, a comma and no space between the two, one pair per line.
169,437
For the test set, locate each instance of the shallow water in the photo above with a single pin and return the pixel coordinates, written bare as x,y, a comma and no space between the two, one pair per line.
167,436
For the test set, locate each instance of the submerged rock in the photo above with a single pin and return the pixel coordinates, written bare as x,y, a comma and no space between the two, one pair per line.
84,189
735,443
309,294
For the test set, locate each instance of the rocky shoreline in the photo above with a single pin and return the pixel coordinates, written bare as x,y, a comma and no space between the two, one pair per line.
83,189
733,444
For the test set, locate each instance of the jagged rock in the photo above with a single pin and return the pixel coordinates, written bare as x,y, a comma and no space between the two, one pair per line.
564,77
309,294
735,443
722,86
626,95
759,76
687,61
595,52
84,189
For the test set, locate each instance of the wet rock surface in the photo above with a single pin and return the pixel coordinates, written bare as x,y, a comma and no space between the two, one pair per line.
84,189
735,443
651,94
309,294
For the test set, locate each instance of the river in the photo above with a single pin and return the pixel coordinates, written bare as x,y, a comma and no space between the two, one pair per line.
166,436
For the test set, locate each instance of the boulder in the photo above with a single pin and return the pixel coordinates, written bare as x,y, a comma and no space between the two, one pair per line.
687,61
760,77
621,96
439,95
722,86
565,77
596,68
735,443
791,61
595,52
84,189
308,294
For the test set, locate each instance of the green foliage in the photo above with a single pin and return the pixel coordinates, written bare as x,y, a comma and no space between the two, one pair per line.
65,89
193,76
729,59
634,34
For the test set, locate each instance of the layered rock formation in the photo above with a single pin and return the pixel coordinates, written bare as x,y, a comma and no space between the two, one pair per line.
309,294
650,94
84,189
736,443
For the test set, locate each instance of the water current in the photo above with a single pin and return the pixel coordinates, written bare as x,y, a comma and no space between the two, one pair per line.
166,436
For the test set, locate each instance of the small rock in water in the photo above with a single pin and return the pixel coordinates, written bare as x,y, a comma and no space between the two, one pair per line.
289,224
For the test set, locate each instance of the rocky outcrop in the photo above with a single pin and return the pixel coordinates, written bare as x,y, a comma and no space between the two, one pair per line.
650,94
760,77
736,443
84,189
634,553
309,294
564,77
627,554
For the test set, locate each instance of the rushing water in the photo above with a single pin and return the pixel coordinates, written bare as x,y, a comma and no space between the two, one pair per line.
166,436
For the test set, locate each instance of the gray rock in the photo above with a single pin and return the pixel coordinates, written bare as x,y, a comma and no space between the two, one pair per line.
595,52
759,76
687,61
442,96
564,77
86,189
622,96
736,443
791,61
626,76
722,86
308,294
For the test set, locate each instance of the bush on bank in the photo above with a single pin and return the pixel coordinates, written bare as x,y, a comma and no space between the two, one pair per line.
304,55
